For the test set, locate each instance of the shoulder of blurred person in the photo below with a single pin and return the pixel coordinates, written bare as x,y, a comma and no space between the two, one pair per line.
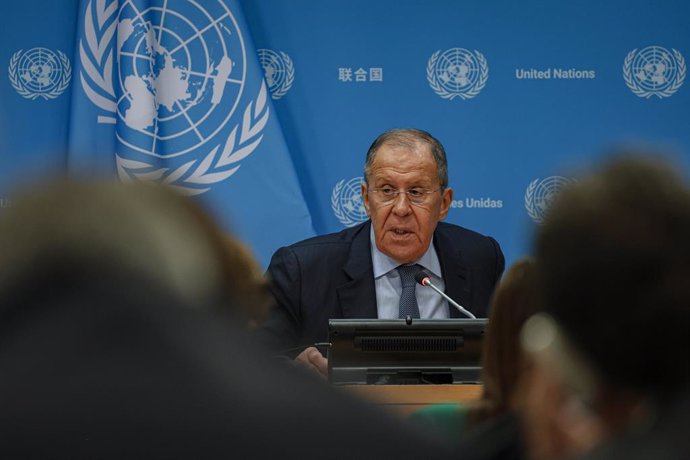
662,437
92,370
446,421
497,438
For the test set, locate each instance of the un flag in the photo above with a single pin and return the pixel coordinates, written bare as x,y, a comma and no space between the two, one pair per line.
172,91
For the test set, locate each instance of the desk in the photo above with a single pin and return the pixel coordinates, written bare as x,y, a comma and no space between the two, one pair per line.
405,399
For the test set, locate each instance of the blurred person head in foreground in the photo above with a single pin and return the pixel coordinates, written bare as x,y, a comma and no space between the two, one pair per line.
116,342
610,349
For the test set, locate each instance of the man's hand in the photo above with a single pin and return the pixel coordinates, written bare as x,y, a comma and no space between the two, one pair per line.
313,360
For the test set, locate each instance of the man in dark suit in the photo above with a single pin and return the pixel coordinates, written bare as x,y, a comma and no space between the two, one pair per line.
361,272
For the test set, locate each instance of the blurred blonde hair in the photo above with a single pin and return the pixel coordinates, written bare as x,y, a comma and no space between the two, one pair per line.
142,229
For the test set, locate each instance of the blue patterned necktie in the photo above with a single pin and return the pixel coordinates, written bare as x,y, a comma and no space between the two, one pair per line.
408,300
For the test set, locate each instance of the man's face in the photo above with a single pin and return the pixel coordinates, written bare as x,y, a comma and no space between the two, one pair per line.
403,230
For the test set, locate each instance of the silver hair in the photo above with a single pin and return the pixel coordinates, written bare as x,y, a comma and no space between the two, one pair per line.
410,138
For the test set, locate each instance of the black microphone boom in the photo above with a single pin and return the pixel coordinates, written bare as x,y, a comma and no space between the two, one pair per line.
423,278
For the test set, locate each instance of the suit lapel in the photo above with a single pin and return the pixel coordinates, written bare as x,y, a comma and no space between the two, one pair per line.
456,276
357,296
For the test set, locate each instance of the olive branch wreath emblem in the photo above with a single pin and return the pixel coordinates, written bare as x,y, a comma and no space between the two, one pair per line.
289,77
432,78
337,206
529,203
641,92
535,212
58,89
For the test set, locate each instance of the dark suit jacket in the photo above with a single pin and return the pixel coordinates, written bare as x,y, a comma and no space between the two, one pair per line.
331,276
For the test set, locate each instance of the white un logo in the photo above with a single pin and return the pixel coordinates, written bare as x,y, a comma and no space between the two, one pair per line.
39,72
279,71
457,72
173,83
541,193
180,75
346,202
654,71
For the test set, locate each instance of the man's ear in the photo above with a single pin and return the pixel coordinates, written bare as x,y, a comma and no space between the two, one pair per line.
365,198
446,199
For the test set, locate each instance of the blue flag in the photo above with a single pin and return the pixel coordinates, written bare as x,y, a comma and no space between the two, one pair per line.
172,91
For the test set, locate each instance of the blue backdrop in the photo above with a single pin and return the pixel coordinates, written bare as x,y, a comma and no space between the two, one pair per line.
264,109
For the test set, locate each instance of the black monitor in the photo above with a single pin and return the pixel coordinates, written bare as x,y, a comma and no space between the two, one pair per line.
399,351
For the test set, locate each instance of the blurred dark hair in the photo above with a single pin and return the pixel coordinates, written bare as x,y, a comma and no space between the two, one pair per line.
513,302
614,267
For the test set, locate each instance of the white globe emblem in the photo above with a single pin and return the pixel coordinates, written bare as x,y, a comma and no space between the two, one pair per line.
654,71
171,83
181,74
39,72
541,193
457,72
346,202
279,71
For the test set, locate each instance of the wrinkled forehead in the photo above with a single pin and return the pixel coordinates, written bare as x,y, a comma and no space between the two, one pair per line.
403,153
403,166
406,142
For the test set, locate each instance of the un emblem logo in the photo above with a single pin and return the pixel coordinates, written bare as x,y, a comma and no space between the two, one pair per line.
457,72
654,71
346,202
540,195
279,71
171,76
39,72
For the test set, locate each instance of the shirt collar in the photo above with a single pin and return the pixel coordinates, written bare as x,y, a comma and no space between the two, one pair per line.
383,264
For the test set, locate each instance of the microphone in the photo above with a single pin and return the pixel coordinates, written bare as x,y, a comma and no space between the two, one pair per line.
423,278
